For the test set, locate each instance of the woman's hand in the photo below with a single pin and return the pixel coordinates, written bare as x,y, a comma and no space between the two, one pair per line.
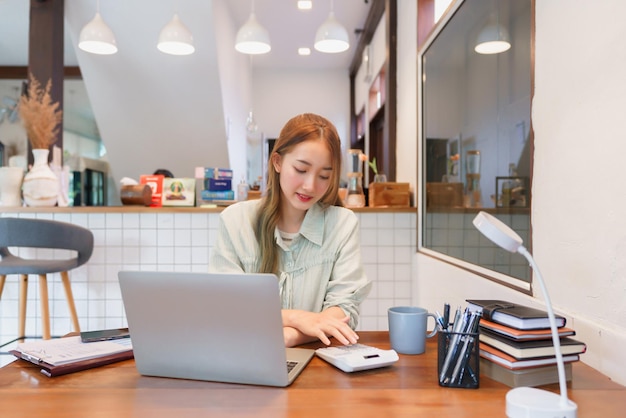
302,326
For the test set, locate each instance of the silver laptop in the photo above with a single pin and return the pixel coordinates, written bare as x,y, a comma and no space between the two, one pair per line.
203,326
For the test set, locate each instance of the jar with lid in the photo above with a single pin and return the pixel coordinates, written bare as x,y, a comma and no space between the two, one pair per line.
355,198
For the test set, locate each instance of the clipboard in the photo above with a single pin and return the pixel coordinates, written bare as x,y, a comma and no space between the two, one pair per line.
51,370
61,356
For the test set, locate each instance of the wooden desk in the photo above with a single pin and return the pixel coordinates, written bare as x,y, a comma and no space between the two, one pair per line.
408,388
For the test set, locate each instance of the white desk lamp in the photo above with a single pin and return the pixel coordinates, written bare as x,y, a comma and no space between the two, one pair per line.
526,401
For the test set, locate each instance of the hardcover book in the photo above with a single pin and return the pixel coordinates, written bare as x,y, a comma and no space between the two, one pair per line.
531,349
536,376
209,195
493,354
217,185
513,314
524,335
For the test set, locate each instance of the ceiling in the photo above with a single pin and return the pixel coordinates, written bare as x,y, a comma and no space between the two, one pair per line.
289,29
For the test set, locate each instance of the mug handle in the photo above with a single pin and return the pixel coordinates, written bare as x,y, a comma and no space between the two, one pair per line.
434,331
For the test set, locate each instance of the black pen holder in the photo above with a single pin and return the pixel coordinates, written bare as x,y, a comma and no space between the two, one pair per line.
458,359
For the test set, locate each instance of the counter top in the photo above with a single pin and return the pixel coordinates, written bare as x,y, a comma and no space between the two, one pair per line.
169,209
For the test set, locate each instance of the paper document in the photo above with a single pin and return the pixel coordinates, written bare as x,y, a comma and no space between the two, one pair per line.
69,350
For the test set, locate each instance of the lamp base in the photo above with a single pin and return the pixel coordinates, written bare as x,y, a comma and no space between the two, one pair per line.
526,402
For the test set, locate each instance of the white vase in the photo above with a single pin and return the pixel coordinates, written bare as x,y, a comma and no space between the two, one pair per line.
11,186
41,186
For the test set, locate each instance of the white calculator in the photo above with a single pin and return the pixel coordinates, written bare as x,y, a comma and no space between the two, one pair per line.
357,357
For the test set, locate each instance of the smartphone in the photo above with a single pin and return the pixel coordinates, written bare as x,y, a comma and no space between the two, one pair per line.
104,334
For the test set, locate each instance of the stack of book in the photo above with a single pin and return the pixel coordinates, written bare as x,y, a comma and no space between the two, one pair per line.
217,185
516,346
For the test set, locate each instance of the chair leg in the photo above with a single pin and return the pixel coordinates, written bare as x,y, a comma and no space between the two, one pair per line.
2,280
45,310
70,300
21,328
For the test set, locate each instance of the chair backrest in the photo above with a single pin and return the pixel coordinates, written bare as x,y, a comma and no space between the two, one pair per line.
42,233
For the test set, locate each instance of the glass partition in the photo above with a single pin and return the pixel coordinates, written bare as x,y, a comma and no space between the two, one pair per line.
475,135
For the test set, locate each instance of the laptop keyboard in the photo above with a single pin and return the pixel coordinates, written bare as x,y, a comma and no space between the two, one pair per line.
291,365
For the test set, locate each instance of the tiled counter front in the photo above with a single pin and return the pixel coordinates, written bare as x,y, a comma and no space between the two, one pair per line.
182,241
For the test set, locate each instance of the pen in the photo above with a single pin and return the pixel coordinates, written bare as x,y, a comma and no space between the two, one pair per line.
32,359
462,357
440,321
457,317
446,315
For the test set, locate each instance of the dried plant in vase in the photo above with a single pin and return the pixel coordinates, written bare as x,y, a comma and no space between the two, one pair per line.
42,120
40,116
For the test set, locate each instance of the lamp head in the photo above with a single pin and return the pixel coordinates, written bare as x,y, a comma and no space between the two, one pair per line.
497,231
175,38
252,38
97,38
493,39
332,37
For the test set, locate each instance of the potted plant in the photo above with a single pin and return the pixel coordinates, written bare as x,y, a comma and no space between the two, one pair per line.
41,119
378,177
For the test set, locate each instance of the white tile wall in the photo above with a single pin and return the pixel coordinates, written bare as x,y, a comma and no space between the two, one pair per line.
182,242
455,235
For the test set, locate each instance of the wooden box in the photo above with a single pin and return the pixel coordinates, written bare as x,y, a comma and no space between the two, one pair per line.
389,194
444,195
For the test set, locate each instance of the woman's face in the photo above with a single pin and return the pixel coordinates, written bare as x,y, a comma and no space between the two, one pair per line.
305,174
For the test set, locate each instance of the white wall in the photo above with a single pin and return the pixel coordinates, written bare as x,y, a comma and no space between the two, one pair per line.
578,215
280,95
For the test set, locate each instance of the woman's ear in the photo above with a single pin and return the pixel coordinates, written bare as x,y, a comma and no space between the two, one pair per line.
276,162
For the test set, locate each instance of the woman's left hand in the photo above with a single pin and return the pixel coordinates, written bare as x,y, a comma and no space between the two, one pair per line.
330,323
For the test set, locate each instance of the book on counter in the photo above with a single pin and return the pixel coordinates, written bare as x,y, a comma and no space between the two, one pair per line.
535,376
513,314
493,354
61,356
524,335
155,182
532,348
209,195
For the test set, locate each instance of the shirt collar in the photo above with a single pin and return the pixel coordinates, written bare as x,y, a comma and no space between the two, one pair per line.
313,224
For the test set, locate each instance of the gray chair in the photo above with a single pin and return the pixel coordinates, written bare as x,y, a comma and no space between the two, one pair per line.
38,233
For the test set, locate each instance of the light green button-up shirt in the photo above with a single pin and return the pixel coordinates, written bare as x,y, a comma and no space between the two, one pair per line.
319,269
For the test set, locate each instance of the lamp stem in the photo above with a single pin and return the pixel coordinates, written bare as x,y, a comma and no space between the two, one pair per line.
555,334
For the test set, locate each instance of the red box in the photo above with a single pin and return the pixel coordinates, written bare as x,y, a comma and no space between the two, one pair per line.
155,181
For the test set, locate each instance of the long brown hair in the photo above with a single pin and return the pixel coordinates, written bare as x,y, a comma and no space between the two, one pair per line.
301,128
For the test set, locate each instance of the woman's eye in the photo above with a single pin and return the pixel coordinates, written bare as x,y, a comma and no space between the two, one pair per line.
299,171
325,177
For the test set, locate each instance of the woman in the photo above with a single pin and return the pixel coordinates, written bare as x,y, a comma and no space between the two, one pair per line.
300,232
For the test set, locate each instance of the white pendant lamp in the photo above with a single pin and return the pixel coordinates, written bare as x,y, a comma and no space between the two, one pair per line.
252,38
97,38
494,37
175,38
331,37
